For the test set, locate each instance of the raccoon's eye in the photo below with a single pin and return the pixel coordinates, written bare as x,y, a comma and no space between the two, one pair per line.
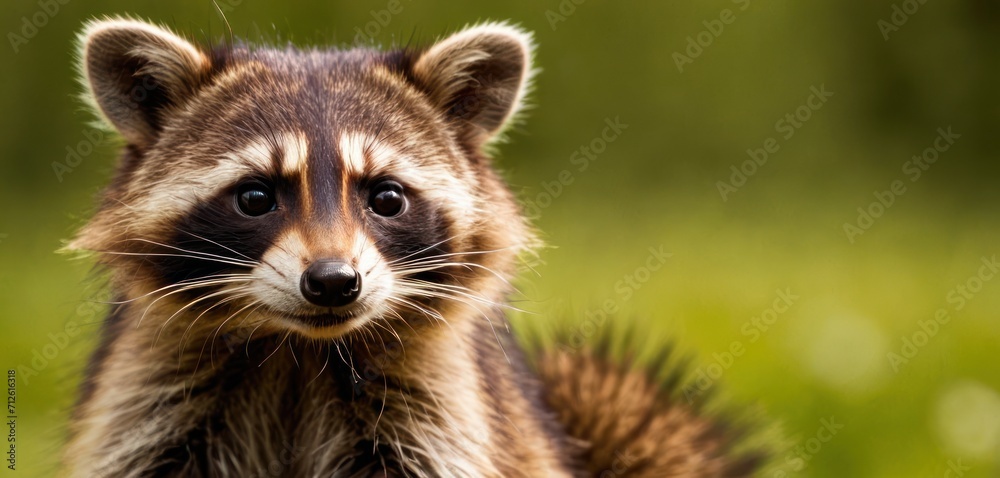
387,199
255,199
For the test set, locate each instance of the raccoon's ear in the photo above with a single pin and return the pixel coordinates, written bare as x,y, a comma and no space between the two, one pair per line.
478,77
135,72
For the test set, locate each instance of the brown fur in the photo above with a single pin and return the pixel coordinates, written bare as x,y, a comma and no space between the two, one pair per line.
645,427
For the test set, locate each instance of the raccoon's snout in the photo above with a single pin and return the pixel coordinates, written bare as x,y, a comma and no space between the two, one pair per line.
329,283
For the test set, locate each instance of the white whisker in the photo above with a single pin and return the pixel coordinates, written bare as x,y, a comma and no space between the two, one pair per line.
188,251
186,288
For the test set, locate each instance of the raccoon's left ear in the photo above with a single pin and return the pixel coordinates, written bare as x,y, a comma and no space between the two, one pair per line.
136,72
478,77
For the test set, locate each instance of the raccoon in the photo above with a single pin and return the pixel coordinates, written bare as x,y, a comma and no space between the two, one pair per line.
310,251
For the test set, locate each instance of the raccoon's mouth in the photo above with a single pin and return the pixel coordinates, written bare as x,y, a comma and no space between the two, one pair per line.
332,318
327,324
325,319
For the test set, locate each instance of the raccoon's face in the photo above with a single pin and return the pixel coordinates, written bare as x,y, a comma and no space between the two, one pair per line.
313,191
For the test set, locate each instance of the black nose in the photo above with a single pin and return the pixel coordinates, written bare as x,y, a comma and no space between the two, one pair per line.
330,284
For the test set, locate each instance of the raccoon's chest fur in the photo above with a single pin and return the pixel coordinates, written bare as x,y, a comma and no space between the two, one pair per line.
281,407
308,415
275,409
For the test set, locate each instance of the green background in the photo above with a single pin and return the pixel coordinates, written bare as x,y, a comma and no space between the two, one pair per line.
655,185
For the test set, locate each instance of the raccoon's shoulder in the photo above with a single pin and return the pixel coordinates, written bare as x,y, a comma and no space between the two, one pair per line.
633,417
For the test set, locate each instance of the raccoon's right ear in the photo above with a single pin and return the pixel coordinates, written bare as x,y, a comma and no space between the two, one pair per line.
479,77
135,73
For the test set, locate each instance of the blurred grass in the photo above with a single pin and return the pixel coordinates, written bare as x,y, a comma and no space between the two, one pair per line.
655,185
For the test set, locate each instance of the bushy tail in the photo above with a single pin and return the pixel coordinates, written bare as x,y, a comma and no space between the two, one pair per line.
633,421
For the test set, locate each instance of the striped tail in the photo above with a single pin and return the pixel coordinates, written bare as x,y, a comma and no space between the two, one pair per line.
634,421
